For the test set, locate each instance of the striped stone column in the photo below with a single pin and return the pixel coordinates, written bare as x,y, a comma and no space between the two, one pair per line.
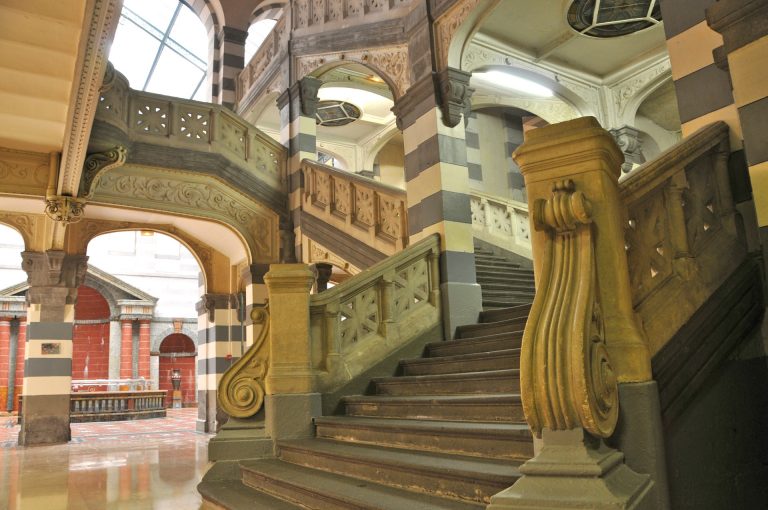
218,347
298,132
437,186
744,29
54,277
255,295
229,51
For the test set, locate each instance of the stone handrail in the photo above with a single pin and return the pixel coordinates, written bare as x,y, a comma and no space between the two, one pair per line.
263,65
501,222
116,405
681,237
361,321
186,124
374,213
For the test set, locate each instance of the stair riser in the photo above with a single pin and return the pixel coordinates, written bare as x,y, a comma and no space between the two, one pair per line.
298,495
453,348
434,482
508,413
460,366
490,329
501,384
511,288
486,446
504,315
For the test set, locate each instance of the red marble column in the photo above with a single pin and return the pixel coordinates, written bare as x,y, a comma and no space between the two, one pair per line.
5,343
126,351
144,349
22,342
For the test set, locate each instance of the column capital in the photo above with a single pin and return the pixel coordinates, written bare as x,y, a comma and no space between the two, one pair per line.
209,303
254,274
64,209
629,141
232,35
52,270
454,94
740,22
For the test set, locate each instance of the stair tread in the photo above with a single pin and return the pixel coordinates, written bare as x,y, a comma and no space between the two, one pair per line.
493,337
443,399
461,357
352,491
446,464
484,374
235,494
437,426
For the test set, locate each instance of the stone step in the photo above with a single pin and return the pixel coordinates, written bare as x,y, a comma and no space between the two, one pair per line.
494,304
490,328
480,343
514,279
513,312
475,362
509,287
499,266
488,440
315,489
452,476
494,271
489,381
234,494
477,408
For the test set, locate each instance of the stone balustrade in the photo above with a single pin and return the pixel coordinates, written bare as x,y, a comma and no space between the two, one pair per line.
262,67
373,213
680,231
359,322
501,222
185,124
116,405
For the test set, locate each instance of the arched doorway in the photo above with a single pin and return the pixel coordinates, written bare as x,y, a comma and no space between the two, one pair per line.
178,358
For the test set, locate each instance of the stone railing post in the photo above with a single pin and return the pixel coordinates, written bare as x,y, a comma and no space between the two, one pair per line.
291,399
582,338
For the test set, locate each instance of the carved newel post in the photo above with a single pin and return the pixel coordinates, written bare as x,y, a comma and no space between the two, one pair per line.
582,338
291,400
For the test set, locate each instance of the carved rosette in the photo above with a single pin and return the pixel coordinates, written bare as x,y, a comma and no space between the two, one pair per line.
566,376
97,163
241,389
64,209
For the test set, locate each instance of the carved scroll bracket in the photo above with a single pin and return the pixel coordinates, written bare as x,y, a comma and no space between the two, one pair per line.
96,164
241,389
64,209
566,375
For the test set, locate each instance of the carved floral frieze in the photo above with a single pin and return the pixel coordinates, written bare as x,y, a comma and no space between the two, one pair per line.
24,173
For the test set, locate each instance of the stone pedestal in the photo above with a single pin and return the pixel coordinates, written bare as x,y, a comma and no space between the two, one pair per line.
572,471
176,399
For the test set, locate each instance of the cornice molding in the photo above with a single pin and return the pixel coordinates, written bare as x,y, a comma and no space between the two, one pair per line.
102,17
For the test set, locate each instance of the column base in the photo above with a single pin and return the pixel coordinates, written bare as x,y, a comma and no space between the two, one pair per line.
576,471
289,416
45,420
462,304
241,439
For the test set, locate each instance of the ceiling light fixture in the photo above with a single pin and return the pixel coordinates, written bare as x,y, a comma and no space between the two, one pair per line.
510,81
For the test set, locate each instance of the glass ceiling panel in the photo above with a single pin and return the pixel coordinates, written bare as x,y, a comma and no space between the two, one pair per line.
174,75
190,33
161,46
256,35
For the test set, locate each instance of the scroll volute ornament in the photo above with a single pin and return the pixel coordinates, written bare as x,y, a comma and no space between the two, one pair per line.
566,375
241,389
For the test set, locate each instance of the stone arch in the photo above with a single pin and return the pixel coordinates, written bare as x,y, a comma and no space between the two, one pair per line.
157,338
547,110
387,135
629,111
455,28
389,63
106,292
568,96
269,9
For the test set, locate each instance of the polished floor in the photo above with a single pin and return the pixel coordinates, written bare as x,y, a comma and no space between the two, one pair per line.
147,464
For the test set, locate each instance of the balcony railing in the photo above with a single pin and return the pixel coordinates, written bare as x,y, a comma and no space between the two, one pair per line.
116,405
501,222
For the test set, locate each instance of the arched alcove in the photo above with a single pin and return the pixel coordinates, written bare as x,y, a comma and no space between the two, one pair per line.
178,353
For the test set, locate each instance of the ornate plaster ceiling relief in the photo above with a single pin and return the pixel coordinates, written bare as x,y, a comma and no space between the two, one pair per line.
192,195
27,225
390,62
629,91
446,27
24,173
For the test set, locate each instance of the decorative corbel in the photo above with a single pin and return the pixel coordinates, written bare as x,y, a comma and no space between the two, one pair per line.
566,379
308,87
65,209
454,94
629,141
241,389
96,164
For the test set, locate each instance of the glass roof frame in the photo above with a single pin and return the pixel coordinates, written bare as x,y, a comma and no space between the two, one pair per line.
163,38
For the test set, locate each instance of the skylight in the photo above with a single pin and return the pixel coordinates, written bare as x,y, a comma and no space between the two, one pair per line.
161,46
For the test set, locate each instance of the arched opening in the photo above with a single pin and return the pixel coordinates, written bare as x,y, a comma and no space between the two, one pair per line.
162,47
90,338
257,33
389,162
178,359
13,313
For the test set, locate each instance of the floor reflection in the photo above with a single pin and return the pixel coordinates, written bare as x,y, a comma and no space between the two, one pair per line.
148,464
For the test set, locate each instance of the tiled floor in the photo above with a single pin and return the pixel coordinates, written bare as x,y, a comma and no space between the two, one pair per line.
135,465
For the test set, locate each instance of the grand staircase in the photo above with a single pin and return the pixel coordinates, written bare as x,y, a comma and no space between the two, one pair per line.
447,432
